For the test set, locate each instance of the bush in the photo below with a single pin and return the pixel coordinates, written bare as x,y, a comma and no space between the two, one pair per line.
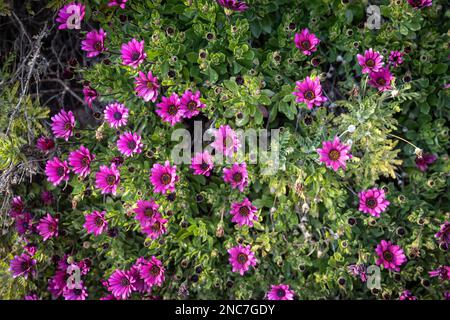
377,193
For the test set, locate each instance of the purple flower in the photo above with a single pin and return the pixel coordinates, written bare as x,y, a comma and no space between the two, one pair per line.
47,197
129,143
424,160
373,201
163,177
32,296
121,284
90,95
145,210
133,53
309,91
234,5
169,109
80,161
420,4
191,104
243,213
371,61
334,154
94,43
95,223
70,16
444,233
407,295
226,141
307,42
57,171
390,256
155,226
146,86
381,80
116,115
63,124
280,292
107,179
358,270
22,265
396,58
45,144
48,227
443,272
24,223
241,258
17,206
202,163
152,272
117,3
236,176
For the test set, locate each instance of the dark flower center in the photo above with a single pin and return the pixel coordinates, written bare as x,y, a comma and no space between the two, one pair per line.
51,227
370,63
237,177
306,44
334,155
85,161
387,255
281,293
98,221
124,282
172,110
242,258
67,126
98,46
25,265
156,226
381,81
243,211
192,105
135,56
78,292
150,85
309,95
154,270
111,179
131,145
204,166
165,178
117,115
371,203
148,212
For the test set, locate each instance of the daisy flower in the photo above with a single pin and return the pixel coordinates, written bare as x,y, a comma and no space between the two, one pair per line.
129,143
307,42
152,272
371,61
334,154
116,115
121,284
146,86
234,5
67,12
75,293
145,210
226,141
390,256
22,265
90,95
48,227
80,161
309,91
381,80
169,109
133,53
236,176
57,171
94,43
243,213
63,124
155,226
95,223
373,201
191,104
202,163
163,177
45,144
107,179
280,292
241,258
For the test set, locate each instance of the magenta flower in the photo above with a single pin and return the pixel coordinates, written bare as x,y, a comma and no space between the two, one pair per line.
443,272
407,295
358,270
17,206
90,95
381,80
163,177
94,43
80,161
373,201
334,154
117,3
31,297
121,284
226,141
45,144
202,163
243,213
444,233
390,256
107,179
57,283
146,86
22,265
241,258
133,53
95,223
63,124
280,292
191,104
424,160
70,16
169,109
76,293
309,91
234,5
57,171
371,61
306,42
48,227
139,283
396,58
155,227
145,210
47,197
152,272
116,114
236,176
129,143
420,4
24,223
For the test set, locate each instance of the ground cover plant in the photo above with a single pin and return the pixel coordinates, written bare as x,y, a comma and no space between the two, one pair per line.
349,201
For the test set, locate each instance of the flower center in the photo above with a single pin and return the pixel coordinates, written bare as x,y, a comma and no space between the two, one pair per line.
135,56
148,212
381,81
98,46
165,178
192,105
98,221
243,211
77,292
150,85
117,115
85,161
371,203
242,258
370,63
131,145
281,293
306,44
334,155
387,255
154,270
67,126
124,282
60,171
156,226
172,110
25,265
51,227
309,95
204,166
111,179
237,177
